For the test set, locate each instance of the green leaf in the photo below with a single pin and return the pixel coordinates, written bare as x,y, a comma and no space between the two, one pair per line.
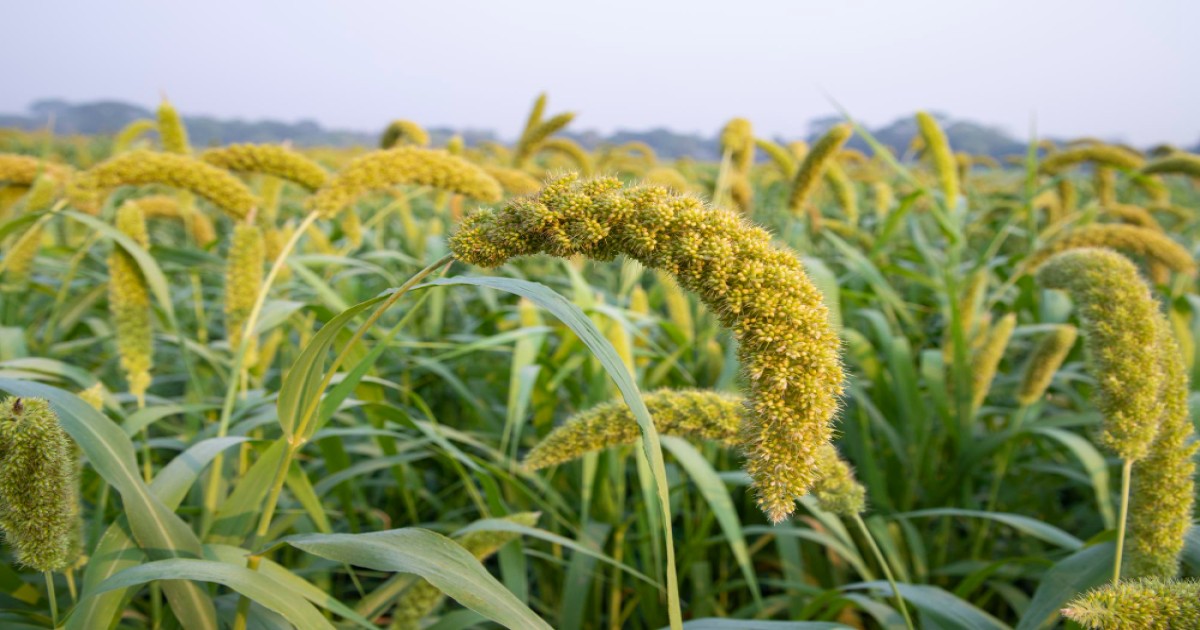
937,606
717,495
1033,527
713,623
254,585
439,560
1083,570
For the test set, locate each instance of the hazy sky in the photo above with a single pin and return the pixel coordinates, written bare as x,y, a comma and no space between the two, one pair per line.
1081,67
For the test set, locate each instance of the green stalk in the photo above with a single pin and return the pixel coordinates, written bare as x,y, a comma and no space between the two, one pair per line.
887,570
239,359
1126,473
51,596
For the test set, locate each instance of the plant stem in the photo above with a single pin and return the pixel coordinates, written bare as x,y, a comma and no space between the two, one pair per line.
887,570
239,359
1126,473
297,440
50,595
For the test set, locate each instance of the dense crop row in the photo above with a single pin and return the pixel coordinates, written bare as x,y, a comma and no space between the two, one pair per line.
543,386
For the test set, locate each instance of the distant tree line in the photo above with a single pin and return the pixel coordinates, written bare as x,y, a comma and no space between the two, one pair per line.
108,117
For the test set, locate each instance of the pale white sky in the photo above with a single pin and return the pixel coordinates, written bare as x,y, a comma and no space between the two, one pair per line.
1082,67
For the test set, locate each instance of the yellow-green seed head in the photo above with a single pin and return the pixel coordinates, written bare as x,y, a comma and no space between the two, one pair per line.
1153,245
268,159
695,414
22,170
836,490
843,192
737,138
1175,164
812,169
572,151
129,302
1047,357
1138,605
780,157
667,177
885,198
514,181
403,132
455,145
171,130
533,138
37,476
987,358
1099,154
1163,489
1068,196
1119,318
788,349
131,133
243,280
404,165
939,151
19,258
138,168
1133,215
1106,185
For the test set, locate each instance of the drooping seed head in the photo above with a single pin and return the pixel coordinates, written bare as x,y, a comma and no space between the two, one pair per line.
1151,244
139,168
1119,318
268,159
1099,154
403,165
403,132
788,349
129,302
812,169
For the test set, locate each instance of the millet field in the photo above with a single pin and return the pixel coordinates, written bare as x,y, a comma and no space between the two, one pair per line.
531,385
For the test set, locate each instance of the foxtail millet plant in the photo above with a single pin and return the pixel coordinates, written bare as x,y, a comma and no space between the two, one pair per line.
944,164
171,130
1138,605
243,280
1153,245
1164,490
1131,214
695,414
843,191
987,358
812,169
23,170
1175,164
1099,154
268,159
667,177
403,132
737,138
131,133
1119,317
129,302
403,165
1045,360
1105,184
788,349
136,168
37,477
783,159
513,181
572,151
530,141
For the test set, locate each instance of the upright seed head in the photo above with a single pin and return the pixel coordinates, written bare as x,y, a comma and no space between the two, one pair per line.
171,130
37,476
944,163
1119,318
533,137
788,349
129,302
131,133
243,281
987,358
812,169
1047,357
737,138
